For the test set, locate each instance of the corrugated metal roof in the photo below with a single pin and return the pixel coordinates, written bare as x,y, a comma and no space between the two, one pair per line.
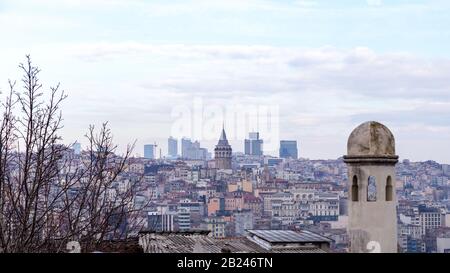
289,236
298,250
189,243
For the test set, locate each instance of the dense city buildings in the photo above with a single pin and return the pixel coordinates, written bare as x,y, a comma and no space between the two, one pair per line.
221,201
128,150
288,149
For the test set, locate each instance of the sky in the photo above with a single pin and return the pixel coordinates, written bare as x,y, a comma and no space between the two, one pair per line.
325,66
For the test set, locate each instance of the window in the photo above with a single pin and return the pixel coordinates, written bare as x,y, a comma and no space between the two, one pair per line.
371,189
389,189
355,189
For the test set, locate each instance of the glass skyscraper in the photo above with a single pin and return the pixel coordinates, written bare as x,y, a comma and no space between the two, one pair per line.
172,147
288,149
149,151
253,145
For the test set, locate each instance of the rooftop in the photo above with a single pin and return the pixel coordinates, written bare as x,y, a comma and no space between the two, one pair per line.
200,242
371,139
223,141
289,236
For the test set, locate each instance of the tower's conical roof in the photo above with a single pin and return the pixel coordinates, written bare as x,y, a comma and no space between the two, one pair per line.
223,138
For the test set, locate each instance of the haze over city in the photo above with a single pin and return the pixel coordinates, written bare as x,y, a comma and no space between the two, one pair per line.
328,67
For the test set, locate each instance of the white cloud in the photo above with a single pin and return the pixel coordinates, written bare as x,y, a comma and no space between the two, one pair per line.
359,71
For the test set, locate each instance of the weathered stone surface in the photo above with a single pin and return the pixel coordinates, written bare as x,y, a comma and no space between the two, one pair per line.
371,139
372,223
358,241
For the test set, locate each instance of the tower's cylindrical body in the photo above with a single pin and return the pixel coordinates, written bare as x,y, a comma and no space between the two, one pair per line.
223,157
223,153
371,159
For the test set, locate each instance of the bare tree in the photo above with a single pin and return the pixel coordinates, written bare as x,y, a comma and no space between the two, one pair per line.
47,196
101,205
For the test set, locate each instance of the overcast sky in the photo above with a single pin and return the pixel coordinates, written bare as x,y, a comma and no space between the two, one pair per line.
327,65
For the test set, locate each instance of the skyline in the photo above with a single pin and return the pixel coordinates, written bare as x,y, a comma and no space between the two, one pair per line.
326,73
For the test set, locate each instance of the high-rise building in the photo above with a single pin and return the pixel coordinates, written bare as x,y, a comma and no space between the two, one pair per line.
288,149
202,154
76,148
371,159
253,145
149,151
186,145
192,150
430,218
172,147
446,169
159,221
223,152
184,219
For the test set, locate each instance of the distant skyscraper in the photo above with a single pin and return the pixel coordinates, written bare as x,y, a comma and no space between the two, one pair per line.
253,135
202,154
288,149
247,147
76,148
186,145
223,152
149,151
253,145
172,147
192,150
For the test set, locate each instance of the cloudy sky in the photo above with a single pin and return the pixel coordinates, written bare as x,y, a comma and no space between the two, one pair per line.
326,65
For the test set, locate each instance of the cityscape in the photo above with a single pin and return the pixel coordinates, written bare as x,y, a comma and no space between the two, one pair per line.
231,127
190,190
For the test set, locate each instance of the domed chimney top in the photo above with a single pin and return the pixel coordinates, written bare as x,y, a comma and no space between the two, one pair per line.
371,140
